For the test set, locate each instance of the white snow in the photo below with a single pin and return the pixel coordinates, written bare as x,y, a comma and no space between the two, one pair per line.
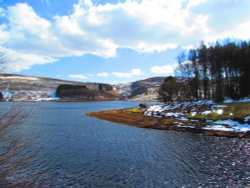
218,128
186,126
123,89
245,100
28,95
220,111
18,77
218,106
247,119
231,125
6,95
182,118
45,99
158,108
193,113
205,102
174,114
206,112
220,125
228,100
161,111
165,110
52,95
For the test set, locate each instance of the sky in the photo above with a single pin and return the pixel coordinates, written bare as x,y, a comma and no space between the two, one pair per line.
112,41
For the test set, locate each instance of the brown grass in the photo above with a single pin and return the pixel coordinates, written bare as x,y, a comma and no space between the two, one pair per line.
120,116
136,119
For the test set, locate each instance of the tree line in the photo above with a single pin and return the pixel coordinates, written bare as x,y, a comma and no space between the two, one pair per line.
212,72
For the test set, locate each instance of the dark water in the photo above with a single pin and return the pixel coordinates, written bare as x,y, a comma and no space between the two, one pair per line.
73,150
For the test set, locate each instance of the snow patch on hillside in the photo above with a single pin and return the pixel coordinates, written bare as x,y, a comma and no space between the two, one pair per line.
6,95
18,78
123,89
22,95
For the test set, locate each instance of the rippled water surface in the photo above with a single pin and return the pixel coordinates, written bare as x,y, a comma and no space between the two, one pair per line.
74,150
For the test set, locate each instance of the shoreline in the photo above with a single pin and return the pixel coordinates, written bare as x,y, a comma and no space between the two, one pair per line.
60,100
142,121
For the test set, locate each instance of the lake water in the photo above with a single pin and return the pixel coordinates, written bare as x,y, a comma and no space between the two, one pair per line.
74,150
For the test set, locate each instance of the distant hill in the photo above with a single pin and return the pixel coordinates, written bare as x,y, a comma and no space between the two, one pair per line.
142,90
16,87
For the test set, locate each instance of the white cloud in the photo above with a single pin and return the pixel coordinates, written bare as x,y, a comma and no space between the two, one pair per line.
241,30
192,3
165,69
30,33
2,11
132,73
141,25
78,76
4,36
20,61
103,74
25,19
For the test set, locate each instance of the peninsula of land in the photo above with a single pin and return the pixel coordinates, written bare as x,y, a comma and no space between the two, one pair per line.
229,119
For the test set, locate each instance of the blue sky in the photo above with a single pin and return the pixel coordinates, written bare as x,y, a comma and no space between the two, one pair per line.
113,41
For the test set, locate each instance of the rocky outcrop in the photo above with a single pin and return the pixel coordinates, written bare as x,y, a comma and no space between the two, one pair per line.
66,90
105,87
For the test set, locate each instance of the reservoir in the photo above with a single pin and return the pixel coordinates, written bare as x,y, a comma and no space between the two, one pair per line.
74,150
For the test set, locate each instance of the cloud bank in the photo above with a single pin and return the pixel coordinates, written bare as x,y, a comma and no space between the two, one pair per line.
140,25
132,73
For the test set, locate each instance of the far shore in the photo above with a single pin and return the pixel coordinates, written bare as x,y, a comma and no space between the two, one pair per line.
62,100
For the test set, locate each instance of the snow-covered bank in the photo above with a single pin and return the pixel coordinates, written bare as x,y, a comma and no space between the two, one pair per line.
217,117
228,125
173,110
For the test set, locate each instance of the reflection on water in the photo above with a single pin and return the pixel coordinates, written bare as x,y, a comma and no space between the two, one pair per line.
81,151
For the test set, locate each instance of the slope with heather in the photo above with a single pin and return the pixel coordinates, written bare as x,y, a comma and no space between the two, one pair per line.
141,90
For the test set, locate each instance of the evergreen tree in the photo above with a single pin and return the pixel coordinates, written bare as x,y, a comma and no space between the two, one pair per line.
216,71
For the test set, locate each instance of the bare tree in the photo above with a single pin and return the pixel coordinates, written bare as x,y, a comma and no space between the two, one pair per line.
13,154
